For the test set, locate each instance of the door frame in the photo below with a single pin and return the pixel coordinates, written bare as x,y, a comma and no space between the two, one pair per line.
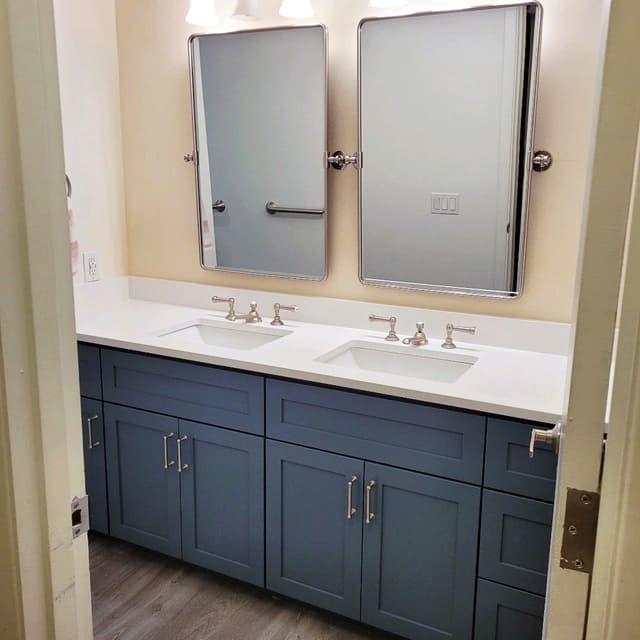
608,201
39,389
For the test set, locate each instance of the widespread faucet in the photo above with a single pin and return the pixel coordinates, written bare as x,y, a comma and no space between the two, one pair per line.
392,336
448,342
419,338
231,314
277,308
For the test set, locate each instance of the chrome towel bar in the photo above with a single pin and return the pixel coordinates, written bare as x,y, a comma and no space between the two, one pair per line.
274,208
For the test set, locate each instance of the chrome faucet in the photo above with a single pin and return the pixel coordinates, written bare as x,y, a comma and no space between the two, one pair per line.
277,308
419,338
448,342
231,315
392,336
253,316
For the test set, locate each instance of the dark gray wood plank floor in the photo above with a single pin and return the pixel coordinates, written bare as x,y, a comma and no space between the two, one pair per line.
140,595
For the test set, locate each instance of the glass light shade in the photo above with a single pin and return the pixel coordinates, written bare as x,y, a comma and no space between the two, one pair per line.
244,9
387,3
296,9
202,12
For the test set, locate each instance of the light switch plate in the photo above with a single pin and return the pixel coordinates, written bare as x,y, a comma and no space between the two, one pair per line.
445,203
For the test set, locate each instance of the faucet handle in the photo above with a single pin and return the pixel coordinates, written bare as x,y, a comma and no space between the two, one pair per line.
448,341
231,315
277,307
392,336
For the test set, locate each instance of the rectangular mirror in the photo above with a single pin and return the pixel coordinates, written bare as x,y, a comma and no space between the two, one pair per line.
447,104
260,110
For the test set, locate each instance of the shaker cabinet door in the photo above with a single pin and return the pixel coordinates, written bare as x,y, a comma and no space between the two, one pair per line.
314,527
95,464
222,490
143,480
419,554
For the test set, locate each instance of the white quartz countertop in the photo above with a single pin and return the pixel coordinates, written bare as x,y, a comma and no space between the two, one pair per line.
510,382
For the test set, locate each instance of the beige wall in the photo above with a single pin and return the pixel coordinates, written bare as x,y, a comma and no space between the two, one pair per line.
90,99
160,200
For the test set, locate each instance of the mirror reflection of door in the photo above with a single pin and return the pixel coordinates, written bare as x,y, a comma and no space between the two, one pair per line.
260,112
445,126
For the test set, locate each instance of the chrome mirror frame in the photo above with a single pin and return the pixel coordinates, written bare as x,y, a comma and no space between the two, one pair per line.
195,155
526,155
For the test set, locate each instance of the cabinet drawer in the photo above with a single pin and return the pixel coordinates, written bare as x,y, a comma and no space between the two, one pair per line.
508,465
504,613
515,540
423,438
186,390
89,370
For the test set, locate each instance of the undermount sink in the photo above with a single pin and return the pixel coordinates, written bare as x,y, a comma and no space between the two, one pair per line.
217,334
411,362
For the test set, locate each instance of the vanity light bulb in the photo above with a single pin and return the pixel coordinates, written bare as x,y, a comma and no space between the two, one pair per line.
296,9
202,12
387,3
244,9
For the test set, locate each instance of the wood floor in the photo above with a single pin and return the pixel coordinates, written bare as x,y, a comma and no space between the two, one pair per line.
140,595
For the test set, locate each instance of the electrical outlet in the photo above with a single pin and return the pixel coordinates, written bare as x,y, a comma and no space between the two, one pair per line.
91,270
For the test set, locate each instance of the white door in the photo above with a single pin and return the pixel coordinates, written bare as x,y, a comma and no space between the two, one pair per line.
608,206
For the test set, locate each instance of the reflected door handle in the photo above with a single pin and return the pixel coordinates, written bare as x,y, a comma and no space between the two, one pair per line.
274,208
547,436
92,443
219,206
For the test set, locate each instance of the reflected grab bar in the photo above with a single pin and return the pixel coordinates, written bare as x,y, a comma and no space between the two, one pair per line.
274,208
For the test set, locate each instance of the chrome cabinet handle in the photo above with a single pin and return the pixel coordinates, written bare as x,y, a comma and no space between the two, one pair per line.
181,467
90,420
370,516
351,511
167,463
548,436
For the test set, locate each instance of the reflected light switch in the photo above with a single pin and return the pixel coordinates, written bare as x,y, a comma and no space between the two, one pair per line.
445,203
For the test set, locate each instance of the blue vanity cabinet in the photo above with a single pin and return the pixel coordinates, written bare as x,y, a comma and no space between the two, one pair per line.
95,464
504,613
144,492
222,499
419,554
313,543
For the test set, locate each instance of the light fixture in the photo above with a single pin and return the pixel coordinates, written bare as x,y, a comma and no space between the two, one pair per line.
296,9
387,3
244,9
202,12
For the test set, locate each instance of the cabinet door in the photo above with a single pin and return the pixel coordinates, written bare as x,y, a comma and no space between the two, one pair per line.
144,496
222,491
313,546
95,472
419,557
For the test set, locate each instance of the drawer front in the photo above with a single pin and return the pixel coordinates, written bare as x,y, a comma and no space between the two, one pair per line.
504,613
186,390
89,370
515,541
508,465
428,439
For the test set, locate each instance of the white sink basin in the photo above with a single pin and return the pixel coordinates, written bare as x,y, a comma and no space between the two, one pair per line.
223,334
408,361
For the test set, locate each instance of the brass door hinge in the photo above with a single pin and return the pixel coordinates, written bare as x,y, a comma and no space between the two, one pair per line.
580,527
79,516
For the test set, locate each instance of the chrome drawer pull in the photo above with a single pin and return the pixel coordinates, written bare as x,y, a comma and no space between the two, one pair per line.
181,467
350,508
167,463
370,515
90,432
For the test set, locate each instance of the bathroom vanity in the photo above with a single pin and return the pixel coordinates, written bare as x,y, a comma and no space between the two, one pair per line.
425,519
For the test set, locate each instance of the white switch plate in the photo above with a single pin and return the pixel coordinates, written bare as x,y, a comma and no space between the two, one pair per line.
445,203
91,268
